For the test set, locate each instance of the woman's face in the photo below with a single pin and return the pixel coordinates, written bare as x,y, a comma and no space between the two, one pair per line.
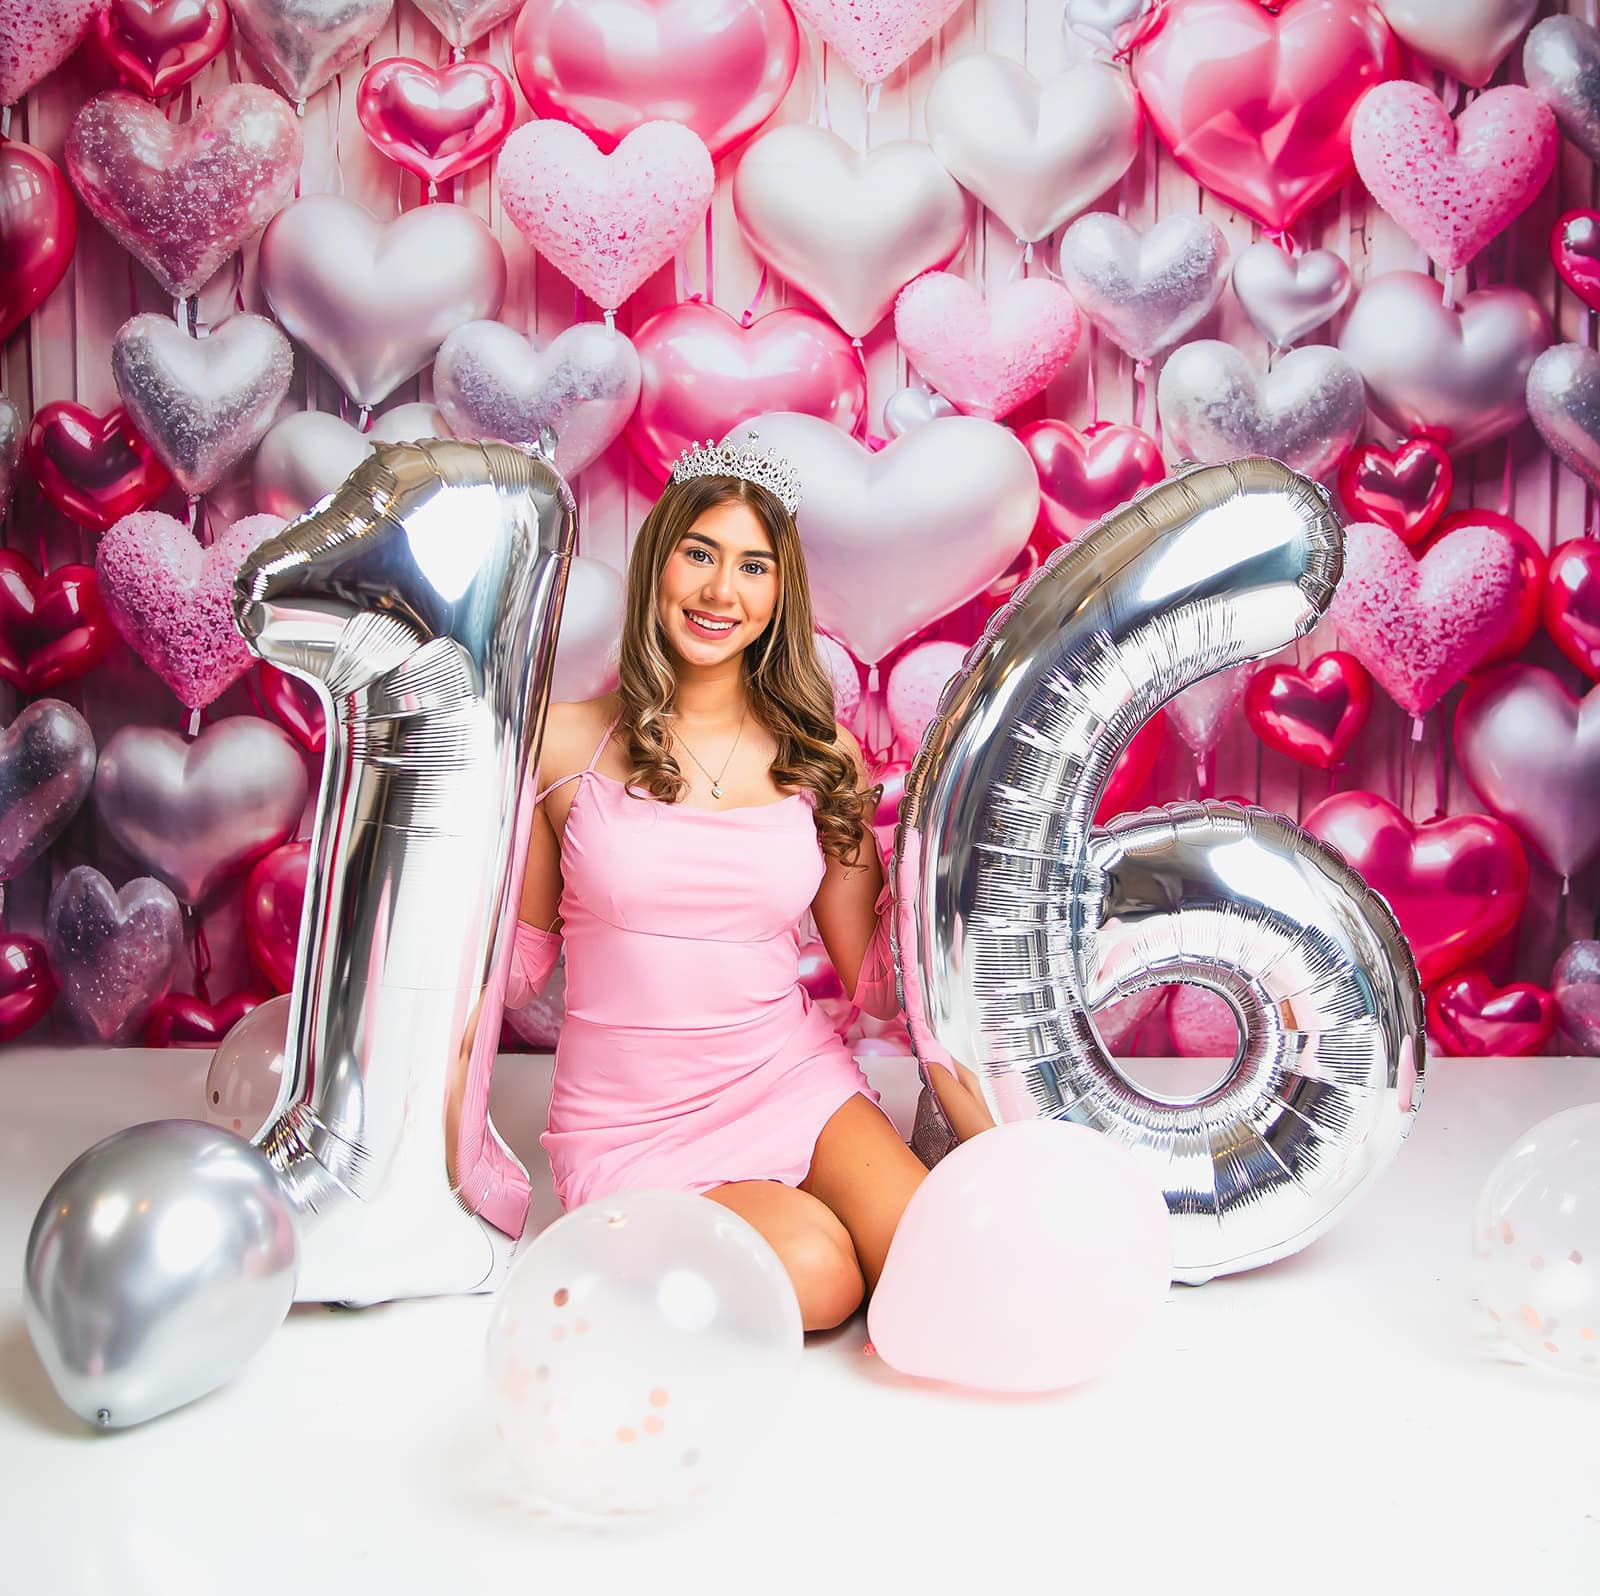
722,571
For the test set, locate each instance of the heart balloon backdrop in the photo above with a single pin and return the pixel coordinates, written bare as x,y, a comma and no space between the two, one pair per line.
158,45
437,123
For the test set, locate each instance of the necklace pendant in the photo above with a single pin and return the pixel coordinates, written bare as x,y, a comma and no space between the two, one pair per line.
716,791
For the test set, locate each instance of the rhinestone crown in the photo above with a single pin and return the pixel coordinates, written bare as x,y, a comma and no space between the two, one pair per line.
768,470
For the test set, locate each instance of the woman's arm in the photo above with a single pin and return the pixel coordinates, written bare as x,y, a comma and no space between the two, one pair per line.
537,944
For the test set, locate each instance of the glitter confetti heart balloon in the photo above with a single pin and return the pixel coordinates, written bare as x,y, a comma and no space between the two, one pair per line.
36,36
1470,1017
1561,64
435,122
1086,475
1521,618
1201,713
1575,985
873,37
113,953
309,453
158,45
182,197
47,759
302,43
1306,411
1571,603
203,403
1286,296
10,451
1564,402
41,231
1405,489
1312,715
491,382
1145,292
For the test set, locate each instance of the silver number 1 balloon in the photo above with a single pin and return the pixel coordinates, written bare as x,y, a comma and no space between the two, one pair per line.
1027,917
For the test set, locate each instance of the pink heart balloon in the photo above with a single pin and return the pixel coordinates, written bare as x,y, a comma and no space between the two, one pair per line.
1257,106
36,36
196,812
1470,1017
918,678
1453,186
1086,475
702,373
435,121
274,895
986,356
158,45
182,197
1420,625
1531,751
173,600
1077,1209
606,222
718,66
873,37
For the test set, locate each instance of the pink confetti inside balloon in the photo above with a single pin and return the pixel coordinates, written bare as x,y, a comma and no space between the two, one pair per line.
36,36
986,356
1453,187
173,600
607,222
873,37
1420,625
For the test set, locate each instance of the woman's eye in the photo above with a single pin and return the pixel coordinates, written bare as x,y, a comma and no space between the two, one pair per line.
756,570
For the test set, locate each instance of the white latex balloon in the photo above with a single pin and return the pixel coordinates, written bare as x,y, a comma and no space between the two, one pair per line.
591,632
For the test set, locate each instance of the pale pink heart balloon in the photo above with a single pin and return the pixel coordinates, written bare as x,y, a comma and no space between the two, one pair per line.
1420,625
1453,187
591,632
173,600
1203,712
873,37
182,197
841,671
986,356
702,373
607,222
1028,1260
915,683
36,36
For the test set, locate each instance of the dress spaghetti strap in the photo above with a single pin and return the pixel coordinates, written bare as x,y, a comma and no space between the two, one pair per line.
594,759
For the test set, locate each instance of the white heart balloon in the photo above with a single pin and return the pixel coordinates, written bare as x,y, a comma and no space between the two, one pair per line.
1034,153
906,408
307,455
850,230
591,631
894,540
1466,38
1286,296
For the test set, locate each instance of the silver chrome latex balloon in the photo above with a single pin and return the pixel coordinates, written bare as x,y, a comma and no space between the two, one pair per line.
1561,64
159,1263
1017,917
422,601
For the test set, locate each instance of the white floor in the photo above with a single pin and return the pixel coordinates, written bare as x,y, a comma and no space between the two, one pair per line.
1338,1422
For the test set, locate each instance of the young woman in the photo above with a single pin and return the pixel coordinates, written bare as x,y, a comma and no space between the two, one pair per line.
686,823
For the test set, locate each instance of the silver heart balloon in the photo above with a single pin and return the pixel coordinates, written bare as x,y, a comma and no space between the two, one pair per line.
1459,375
1575,985
195,813
1144,292
1286,296
894,540
46,771
491,382
374,300
1034,153
1561,64
302,43
113,953
462,21
1466,38
201,403
1564,402
1306,411
10,451
308,454
161,1260
850,230
591,632
906,408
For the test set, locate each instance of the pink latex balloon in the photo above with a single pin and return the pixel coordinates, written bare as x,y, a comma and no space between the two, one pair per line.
1257,106
1453,187
173,600
986,356
1028,1260
182,197
606,222
873,37
702,373
1420,625
36,36
718,66
915,683
435,121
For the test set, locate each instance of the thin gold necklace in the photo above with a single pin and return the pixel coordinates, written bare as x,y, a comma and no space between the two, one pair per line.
716,781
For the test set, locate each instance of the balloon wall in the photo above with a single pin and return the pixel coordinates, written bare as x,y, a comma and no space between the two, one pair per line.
1009,261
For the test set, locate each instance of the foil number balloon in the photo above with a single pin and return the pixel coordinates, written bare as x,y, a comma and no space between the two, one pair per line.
1027,917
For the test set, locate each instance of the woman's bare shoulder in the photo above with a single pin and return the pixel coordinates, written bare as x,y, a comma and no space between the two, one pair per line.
571,730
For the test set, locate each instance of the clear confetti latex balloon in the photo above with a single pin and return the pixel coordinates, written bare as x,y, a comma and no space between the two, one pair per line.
639,1351
1536,1242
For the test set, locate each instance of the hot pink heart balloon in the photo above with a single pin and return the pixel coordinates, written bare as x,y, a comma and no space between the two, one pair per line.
1420,625
873,37
274,895
607,222
173,600
36,36
1086,475
1257,106
183,197
435,121
158,45
703,373
986,356
1469,1016
718,66
1453,186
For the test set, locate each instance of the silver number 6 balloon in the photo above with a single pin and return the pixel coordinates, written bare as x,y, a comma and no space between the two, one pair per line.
1027,917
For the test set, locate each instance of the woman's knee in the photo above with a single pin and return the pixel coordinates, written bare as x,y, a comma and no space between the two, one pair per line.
826,1276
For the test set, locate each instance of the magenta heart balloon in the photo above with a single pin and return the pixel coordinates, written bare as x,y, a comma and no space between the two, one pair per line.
702,373
182,197
435,122
718,66
113,953
1531,750
46,770
36,36
173,600
195,813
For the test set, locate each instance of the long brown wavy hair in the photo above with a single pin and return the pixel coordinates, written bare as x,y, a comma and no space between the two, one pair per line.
785,685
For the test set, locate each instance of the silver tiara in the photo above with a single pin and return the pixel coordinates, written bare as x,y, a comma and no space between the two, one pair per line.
768,470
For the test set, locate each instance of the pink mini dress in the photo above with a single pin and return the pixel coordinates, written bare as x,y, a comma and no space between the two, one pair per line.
691,1054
